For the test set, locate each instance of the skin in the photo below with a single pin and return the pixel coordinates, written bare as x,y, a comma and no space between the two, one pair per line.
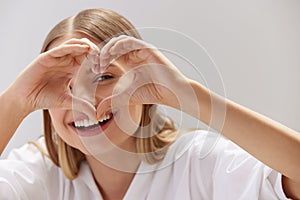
272,143
103,89
116,136
269,141
35,89
45,84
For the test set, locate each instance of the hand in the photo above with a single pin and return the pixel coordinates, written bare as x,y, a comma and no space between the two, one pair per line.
45,83
150,79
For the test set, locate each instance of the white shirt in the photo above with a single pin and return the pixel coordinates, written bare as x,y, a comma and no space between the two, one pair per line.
199,165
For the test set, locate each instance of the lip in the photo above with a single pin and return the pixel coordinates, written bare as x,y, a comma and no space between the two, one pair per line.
91,131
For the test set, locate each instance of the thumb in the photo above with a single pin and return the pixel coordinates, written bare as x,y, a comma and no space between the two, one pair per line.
80,105
114,102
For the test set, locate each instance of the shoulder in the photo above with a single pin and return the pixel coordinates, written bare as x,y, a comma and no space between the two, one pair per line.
215,167
32,154
211,149
221,166
188,166
199,144
28,173
29,152
195,149
27,169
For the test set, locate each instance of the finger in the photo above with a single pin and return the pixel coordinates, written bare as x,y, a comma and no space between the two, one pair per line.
87,61
84,107
66,54
122,93
141,54
113,102
126,45
94,58
80,105
105,57
102,107
137,50
94,49
109,44
67,49
96,69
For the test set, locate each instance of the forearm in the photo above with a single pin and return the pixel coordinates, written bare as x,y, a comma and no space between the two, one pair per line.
11,115
270,142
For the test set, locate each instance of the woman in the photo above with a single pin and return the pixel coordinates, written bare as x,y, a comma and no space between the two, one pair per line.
98,85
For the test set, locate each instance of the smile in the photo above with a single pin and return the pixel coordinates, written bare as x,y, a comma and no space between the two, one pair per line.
87,127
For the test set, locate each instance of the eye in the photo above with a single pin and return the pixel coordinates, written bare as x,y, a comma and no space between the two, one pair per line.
103,78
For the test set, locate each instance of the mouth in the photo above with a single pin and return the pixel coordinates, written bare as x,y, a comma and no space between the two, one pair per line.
86,127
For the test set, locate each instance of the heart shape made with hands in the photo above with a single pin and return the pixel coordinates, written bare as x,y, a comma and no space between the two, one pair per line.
145,76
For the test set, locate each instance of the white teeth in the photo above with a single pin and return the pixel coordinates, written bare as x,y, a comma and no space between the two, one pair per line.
87,123
84,123
106,117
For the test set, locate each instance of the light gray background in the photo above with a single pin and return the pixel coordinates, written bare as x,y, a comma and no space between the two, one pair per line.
255,44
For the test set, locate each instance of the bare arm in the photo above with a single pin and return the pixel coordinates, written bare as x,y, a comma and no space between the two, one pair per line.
11,115
44,84
272,143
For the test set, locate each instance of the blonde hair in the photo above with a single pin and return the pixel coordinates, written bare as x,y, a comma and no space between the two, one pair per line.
101,25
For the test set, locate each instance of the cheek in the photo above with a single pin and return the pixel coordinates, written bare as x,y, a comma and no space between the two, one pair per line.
58,118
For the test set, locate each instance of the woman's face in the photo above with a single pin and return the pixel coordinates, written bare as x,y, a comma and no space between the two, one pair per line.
74,127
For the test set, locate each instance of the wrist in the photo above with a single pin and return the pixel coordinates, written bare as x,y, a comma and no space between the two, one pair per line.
202,100
11,115
16,104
